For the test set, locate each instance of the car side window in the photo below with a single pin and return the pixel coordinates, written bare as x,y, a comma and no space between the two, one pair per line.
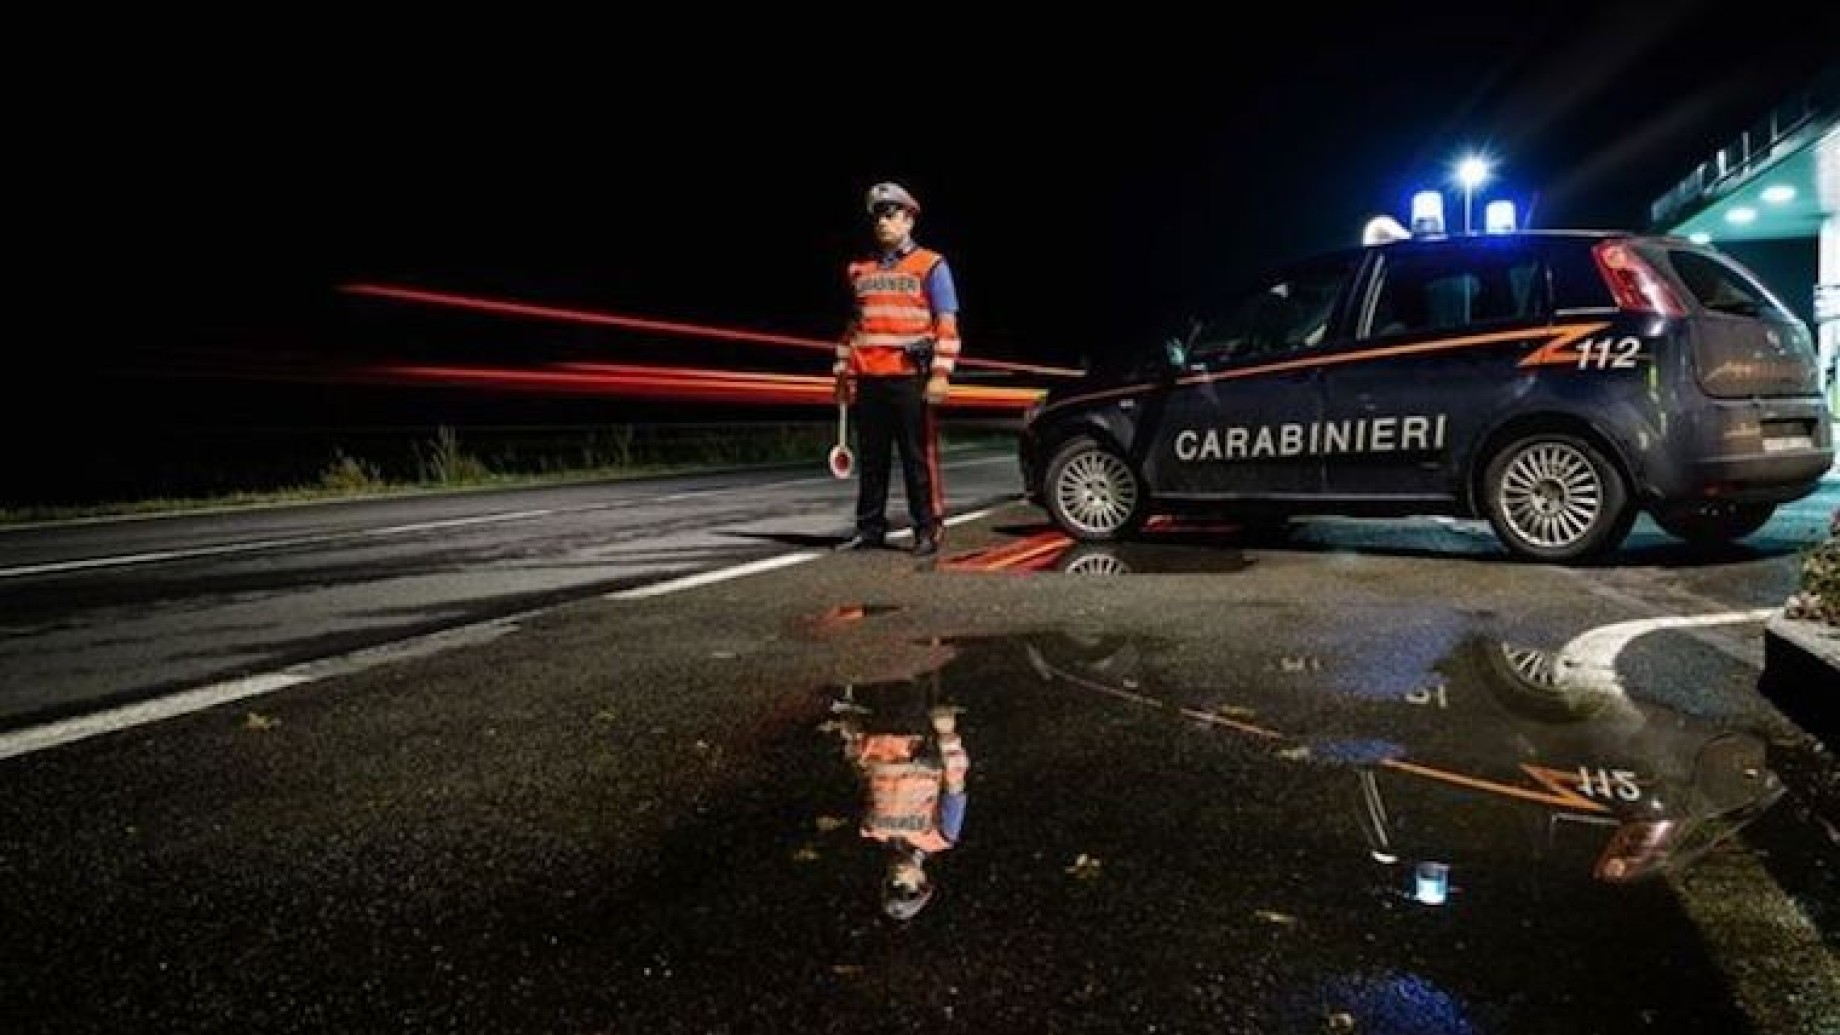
1290,313
1449,290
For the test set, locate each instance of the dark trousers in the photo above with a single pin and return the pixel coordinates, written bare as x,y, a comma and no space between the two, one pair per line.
891,412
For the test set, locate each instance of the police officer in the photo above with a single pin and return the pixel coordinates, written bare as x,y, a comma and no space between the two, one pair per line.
895,364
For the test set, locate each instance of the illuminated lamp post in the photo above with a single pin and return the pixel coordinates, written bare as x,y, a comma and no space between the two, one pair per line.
1472,172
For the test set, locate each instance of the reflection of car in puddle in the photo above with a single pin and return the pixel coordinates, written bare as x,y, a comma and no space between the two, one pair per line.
1166,547
1148,558
1664,785
1094,561
1497,751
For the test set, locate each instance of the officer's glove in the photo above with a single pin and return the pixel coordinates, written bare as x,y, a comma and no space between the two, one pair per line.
937,389
944,718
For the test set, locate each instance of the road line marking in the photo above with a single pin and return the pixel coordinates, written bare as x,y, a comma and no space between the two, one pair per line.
157,556
52,734
705,578
658,589
79,727
1589,659
419,494
65,731
125,560
953,522
1742,913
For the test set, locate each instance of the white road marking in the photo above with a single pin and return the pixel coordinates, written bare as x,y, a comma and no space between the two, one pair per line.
156,556
38,738
1588,661
705,578
53,734
1743,915
124,560
64,731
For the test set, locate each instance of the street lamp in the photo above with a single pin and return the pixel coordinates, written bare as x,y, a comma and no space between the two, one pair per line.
1472,172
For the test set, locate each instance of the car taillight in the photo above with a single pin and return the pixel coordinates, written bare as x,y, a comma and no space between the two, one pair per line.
1637,849
1634,282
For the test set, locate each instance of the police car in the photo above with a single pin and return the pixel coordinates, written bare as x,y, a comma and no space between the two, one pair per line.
1556,383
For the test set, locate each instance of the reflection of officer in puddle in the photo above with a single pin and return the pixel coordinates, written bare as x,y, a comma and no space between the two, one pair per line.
914,788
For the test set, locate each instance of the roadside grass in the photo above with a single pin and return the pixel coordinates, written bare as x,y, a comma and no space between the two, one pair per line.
443,463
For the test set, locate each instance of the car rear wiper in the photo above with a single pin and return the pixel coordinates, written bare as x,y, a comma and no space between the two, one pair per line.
1736,307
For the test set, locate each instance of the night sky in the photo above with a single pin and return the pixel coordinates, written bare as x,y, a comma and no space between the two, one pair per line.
1088,179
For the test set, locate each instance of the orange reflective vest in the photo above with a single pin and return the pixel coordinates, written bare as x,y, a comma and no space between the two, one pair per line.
892,314
903,793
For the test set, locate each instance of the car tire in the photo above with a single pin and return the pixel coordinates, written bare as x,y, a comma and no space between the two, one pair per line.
1713,524
1092,492
1554,497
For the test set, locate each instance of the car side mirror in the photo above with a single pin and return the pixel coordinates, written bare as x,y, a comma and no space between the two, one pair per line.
1175,354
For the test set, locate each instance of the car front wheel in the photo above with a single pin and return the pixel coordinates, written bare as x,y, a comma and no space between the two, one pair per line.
1092,492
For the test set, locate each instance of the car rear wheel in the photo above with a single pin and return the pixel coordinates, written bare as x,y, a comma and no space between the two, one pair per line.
1713,524
1092,492
1554,497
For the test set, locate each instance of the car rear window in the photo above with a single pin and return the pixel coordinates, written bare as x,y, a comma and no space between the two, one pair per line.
1721,286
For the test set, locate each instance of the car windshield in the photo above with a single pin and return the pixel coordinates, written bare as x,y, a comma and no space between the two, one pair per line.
1290,312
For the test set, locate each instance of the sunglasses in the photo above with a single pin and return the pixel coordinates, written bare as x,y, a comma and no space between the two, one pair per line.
885,210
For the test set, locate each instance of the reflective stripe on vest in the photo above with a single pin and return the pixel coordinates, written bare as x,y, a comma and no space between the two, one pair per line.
903,794
891,313
945,344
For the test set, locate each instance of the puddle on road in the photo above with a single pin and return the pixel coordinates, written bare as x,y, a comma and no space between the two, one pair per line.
1269,831
1488,758
1164,547
1492,726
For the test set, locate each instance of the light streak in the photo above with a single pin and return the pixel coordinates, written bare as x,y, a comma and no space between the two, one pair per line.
584,316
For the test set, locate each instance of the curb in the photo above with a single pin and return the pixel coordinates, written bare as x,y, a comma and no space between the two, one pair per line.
1801,674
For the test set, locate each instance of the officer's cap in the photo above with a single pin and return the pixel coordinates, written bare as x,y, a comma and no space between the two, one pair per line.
891,193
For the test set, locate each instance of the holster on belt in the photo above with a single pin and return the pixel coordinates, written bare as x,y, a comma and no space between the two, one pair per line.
920,351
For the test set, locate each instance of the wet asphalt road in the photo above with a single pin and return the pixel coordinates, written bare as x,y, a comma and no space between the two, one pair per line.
1199,787
97,613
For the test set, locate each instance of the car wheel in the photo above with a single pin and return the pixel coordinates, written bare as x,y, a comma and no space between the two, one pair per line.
1092,492
1554,497
1713,524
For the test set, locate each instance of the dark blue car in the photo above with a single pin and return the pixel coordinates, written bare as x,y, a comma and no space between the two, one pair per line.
1556,383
